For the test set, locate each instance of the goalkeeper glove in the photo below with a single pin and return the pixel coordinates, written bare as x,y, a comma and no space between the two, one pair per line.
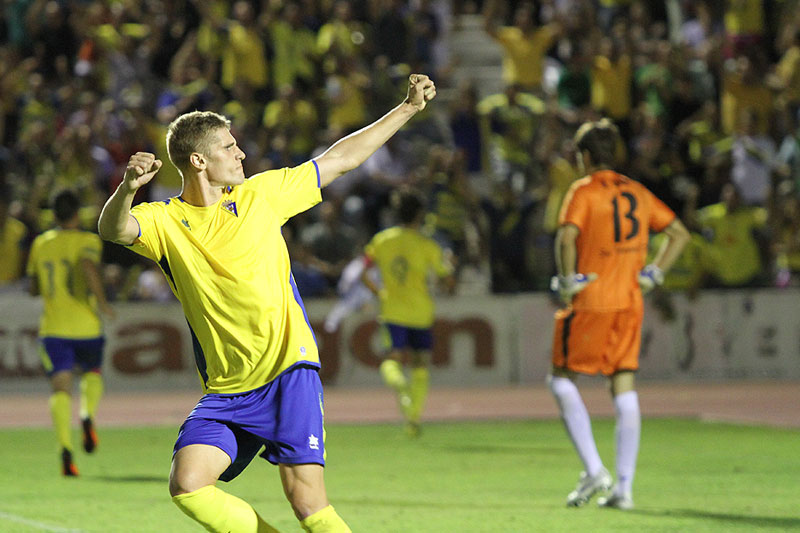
568,286
650,277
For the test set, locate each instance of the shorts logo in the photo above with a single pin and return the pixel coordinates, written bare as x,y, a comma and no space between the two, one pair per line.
302,350
313,442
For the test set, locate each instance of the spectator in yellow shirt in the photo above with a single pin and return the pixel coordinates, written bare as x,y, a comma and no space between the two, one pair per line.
524,45
244,57
12,241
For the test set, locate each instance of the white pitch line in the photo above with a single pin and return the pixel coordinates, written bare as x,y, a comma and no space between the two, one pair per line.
38,525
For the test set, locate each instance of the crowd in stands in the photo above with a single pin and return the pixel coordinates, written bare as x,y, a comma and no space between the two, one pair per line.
705,93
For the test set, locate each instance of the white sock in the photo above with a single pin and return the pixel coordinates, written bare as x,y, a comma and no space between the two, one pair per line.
577,422
629,427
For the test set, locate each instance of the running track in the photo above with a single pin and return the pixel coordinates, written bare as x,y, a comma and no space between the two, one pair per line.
767,403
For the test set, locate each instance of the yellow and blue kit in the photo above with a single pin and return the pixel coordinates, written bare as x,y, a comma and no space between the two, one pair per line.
406,258
228,265
70,310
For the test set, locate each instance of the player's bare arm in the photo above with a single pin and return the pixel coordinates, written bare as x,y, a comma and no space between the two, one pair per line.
677,239
568,282
116,223
349,152
566,249
95,283
652,275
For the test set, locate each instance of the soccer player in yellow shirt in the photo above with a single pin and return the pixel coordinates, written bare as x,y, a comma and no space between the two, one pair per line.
63,269
220,247
406,258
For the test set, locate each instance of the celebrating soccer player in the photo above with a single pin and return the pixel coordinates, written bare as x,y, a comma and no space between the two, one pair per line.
220,246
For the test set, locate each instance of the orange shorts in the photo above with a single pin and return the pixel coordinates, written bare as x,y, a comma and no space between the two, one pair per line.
597,342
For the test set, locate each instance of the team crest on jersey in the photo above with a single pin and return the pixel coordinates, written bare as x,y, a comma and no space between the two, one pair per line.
230,207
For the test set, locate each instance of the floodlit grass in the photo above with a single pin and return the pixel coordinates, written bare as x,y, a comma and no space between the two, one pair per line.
457,477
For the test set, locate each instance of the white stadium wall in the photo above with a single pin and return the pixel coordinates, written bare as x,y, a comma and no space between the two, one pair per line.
479,341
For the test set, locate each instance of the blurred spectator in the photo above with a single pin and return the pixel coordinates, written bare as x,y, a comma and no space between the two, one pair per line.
787,74
653,80
385,170
54,39
753,156
393,32
787,160
295,119
309,272
425,34
465,125
734,233
13,235
454,206
524,44
345,89
700,32
509,123
686,274
508,219
331,240
151,286
743,87
295,49
574,84
342,36
611,83
244,57
562,170
744,24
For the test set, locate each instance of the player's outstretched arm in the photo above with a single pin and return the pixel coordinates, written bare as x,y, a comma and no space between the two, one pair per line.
116,223
349,152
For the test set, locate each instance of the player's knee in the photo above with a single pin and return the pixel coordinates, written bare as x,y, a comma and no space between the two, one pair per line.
306,502
186,483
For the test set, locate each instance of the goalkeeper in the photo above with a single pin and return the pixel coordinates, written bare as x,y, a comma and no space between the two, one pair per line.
600,250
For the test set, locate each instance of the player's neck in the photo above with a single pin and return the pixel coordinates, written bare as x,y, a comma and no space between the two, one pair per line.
199,193
72,224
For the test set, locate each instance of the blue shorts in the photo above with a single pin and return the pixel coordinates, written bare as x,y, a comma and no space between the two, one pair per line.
284,416
402,337
63,354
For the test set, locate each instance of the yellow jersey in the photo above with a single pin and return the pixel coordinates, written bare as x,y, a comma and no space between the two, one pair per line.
228,265
70,310
405,259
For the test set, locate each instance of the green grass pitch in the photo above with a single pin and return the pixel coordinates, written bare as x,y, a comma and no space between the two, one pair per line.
509,477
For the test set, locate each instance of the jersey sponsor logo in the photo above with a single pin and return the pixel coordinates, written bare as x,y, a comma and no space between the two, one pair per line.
186,223
313,442
230,207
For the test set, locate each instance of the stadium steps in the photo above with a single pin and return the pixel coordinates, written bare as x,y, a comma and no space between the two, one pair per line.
475,55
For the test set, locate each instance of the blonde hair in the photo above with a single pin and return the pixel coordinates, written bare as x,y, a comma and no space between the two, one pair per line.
192,132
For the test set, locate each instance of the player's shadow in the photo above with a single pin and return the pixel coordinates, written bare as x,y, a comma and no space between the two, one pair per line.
131,479
783,523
